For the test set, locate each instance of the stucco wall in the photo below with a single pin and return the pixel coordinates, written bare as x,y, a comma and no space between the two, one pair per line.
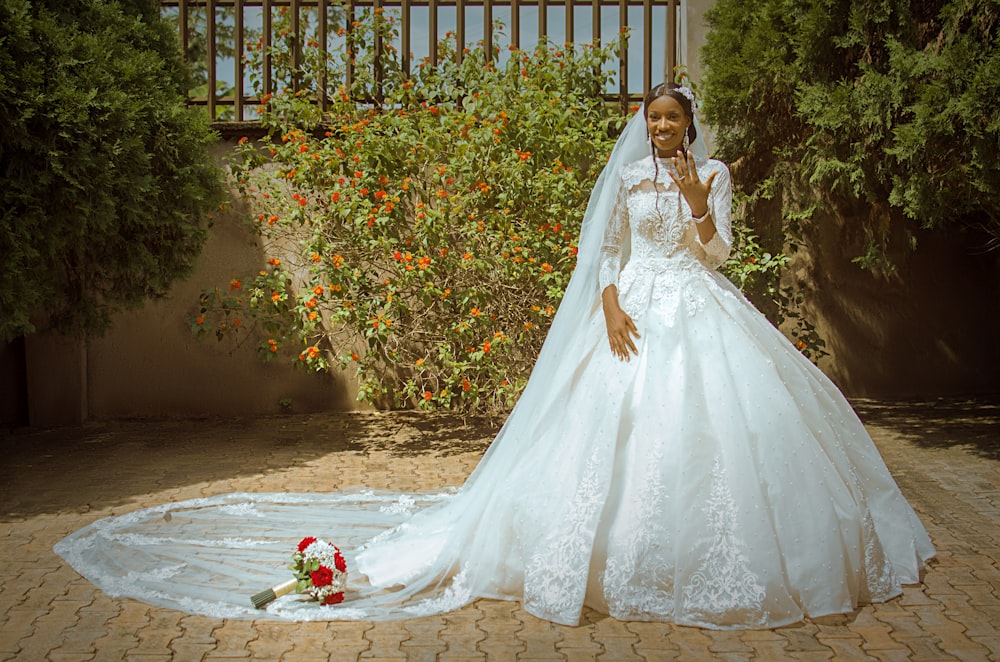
927,328
150,364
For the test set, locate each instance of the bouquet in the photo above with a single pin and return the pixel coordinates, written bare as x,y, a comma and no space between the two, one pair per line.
320,571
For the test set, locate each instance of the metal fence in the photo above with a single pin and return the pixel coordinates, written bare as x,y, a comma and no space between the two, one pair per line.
214,32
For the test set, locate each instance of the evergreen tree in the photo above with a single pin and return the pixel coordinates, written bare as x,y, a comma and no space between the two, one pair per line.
105,178
892,104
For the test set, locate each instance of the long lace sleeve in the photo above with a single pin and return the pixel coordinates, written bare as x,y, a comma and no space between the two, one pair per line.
613,244
720,204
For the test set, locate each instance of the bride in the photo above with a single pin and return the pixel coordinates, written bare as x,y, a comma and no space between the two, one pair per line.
672,458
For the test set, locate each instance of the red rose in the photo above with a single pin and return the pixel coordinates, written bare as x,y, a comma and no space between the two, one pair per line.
305,543
339,561
321,577
333,599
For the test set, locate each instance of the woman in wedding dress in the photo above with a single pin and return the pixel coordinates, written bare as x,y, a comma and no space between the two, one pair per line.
672,457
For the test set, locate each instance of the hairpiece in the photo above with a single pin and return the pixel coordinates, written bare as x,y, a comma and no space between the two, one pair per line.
688,94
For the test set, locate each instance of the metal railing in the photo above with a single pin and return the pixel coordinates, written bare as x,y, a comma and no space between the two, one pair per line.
231,16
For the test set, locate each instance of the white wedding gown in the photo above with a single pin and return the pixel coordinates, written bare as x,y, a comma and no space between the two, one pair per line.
716,479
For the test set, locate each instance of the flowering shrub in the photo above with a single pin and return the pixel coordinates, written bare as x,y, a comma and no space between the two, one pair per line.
424,243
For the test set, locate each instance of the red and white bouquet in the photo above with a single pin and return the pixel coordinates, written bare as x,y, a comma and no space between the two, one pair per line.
321,571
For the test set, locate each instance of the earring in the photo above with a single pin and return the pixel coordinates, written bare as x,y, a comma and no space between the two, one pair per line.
687,142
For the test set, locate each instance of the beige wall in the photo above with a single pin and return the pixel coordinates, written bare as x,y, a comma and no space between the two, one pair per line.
150,364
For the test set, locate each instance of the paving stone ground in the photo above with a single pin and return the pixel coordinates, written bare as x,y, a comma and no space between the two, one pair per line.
944,454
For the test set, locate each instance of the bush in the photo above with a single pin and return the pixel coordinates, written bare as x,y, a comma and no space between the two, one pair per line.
426,243
887,106
105,179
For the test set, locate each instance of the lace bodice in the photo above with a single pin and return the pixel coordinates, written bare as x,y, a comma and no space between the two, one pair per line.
651,222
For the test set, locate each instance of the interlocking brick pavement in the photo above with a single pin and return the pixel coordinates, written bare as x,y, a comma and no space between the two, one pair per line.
945,455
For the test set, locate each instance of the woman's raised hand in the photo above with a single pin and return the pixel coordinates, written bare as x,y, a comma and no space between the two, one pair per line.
695,191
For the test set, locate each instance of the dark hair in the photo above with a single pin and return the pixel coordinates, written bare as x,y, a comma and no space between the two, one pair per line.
670,90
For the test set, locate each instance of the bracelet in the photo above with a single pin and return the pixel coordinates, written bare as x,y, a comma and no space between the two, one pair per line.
697,219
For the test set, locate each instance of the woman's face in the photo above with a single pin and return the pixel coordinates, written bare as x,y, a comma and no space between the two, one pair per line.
667,123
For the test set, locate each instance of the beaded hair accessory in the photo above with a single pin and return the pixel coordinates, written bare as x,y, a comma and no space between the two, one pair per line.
688,94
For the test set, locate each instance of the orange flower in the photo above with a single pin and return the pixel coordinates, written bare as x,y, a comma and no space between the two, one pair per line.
486,347
474,312
235,284
419,361
546,267
318,290
201,319
428,395
354,357
274,261
466,256
316,257
466,385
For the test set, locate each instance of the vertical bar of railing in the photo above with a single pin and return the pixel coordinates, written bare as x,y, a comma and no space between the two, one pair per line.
432,21
543,19
569,22
349,36
296,54
515,23
239,63
405,34
182,15
210,56
647,44
623,56
595,20
671,45
488,30
379,53
459,30
323,28
266,27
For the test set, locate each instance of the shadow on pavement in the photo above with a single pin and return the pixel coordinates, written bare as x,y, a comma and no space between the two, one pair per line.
939,423
108,463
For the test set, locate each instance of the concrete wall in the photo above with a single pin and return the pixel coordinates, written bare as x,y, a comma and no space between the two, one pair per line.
150,364
926,329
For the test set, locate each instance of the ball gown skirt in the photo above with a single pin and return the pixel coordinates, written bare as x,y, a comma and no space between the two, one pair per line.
723,488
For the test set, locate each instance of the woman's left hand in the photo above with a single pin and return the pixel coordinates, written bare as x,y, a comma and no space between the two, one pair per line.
695,191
